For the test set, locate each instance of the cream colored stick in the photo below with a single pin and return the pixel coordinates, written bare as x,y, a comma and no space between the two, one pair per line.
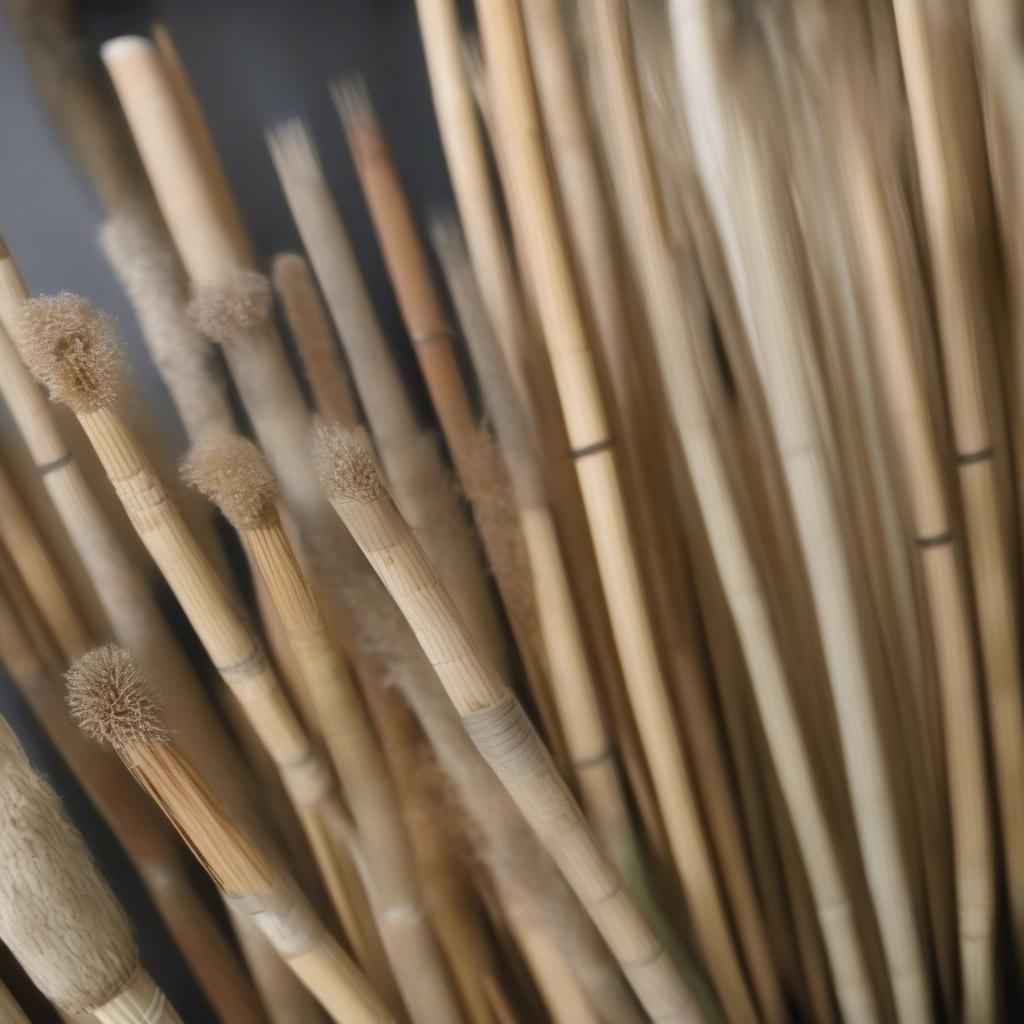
764,262
85,375
676,346
496,722
10,1011
592,448
108,696
233,473
57,914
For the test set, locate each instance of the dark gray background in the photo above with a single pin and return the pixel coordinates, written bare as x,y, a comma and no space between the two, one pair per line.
251,63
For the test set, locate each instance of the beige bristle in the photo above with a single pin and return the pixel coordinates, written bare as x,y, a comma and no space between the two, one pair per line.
109,699
233,473
57,914
72,348
232,307
345,463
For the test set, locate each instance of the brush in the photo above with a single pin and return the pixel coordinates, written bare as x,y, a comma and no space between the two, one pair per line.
409,454
495,720
57,915
233,474
109,699
73,349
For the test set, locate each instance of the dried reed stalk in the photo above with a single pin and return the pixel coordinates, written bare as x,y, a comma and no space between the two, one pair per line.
84,374
647,236
963,715
58,915
141,833
10,1011
495,721
232,472
939,75
108,697
533,207
762,257
410,455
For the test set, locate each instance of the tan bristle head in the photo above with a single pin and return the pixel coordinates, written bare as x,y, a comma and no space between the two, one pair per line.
72,348
57,914
346,463
233,307
110,700
233,473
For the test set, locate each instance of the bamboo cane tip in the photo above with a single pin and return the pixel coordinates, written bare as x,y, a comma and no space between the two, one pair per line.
233,473
346,463
57,914
119,47
72,348
111,702
234,307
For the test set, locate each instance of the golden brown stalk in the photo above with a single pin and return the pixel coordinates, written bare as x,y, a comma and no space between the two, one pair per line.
533,208
108,697
409,454
73,349
233,474
57,914
496,722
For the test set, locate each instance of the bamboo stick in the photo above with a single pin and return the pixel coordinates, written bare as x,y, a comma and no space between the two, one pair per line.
496,722
108,697
942,107
58,915
592,449
763,259
10,1011
409,454
87,380
233,474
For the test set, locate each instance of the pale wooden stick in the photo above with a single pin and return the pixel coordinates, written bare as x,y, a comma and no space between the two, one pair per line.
764,260
10,1011
409,454
58,915
233,473
963,716
141,834
939,75
107,696
89,384
646,234
496,722
592,448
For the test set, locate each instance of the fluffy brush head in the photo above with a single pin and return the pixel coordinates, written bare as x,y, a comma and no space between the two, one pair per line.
72,348
57,914
233,307
345,463
233,473
109,699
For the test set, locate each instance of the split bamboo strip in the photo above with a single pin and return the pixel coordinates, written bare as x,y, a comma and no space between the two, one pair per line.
409,454
496,722
764,260
949,610
646,234
88,383
142,834
107,696
940,105
233,473
57,914
592,448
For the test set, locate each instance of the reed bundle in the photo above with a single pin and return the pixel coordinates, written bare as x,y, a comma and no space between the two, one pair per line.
59,917
109,700
496,721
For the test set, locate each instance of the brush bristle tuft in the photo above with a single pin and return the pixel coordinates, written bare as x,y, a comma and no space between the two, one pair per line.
72,348
346,463
109,699
233,307
233,473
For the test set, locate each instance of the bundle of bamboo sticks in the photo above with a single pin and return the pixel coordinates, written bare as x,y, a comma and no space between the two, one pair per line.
670,668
